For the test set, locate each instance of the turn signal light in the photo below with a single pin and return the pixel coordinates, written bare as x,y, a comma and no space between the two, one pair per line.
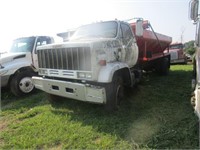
145,59
102,62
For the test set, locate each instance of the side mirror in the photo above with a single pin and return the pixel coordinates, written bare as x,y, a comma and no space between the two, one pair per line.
193,9
139,28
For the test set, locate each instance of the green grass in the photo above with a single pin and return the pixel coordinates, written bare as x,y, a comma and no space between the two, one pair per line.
155,115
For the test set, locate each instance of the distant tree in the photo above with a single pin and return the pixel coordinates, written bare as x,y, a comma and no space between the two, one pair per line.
189,47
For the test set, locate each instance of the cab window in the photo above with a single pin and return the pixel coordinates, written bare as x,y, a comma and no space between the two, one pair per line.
126,33
42,41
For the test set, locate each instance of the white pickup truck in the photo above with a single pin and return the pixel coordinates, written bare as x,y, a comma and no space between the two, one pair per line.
21,63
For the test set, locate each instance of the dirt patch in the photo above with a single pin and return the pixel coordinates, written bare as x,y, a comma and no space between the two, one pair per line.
143,129
3,124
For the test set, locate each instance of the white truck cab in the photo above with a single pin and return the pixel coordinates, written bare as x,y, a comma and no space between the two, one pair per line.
21,63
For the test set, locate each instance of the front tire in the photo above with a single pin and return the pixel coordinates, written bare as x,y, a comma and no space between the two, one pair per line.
114,94
22,84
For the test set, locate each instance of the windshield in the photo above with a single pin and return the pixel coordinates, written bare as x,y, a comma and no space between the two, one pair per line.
23,45
102,30
178,46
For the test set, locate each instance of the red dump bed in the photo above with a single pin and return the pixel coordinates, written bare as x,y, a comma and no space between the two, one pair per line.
150,46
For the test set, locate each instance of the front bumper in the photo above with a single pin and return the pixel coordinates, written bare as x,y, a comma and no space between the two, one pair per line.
4,80
78,91
178,61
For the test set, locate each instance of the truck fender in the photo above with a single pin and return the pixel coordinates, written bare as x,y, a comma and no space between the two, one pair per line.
12,63
107,72
11,68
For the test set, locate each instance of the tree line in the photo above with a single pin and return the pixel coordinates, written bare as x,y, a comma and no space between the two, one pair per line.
189,47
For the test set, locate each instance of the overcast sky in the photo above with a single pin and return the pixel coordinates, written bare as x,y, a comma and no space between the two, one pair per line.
48,17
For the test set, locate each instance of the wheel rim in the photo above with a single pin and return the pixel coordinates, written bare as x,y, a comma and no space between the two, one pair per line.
26,85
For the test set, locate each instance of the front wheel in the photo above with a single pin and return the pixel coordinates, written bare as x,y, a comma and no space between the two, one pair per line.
22,84
114,94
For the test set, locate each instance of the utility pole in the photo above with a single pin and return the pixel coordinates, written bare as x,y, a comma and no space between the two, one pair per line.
182,32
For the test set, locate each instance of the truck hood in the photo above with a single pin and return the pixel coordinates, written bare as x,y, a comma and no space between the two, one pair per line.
94,42
7,57
173,50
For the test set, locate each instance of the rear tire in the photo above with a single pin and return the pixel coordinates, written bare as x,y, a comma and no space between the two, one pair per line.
163,67
114,94
22,84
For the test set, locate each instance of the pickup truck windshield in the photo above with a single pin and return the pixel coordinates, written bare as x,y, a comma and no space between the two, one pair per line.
97,30
23,45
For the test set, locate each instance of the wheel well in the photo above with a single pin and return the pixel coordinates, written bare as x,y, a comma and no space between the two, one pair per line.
125,74
29,69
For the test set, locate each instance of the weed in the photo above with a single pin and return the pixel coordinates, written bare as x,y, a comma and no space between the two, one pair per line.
155,115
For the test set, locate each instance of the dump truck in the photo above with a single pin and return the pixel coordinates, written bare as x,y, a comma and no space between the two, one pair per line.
177,53
20,63
195,100
99,60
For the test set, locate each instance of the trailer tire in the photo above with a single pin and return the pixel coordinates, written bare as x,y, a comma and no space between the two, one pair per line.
114,94
163,67
22,84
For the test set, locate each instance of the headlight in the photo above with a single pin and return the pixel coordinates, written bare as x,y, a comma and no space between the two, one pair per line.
43,72
84,75
81,75
88,76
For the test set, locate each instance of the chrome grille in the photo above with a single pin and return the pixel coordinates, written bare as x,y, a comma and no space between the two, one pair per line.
75,58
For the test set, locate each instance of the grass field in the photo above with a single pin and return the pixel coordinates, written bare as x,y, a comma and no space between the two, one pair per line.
155,115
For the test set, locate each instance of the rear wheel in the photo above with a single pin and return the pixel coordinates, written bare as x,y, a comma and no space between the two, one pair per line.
163,67
114,94
22,84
